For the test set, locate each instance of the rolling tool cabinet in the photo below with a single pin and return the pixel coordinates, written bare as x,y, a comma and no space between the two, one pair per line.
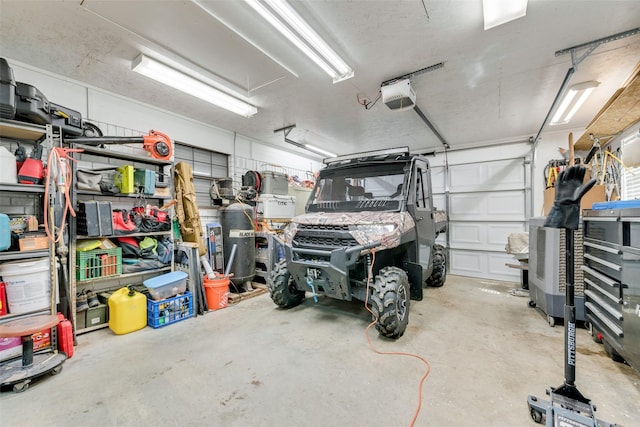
612,280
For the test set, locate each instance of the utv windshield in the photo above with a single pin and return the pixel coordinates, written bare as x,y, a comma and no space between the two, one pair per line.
371,187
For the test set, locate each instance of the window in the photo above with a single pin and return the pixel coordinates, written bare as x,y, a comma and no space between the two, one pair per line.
206,166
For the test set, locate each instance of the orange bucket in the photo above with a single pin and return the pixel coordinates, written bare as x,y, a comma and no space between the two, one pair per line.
217,292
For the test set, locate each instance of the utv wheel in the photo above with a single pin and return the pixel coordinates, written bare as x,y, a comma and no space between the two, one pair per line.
439,272
283,289
390,302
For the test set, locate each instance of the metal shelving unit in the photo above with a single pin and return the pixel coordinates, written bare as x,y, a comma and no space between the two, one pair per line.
15,131
112,157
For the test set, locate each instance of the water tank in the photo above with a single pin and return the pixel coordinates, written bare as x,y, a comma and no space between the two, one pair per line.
237,229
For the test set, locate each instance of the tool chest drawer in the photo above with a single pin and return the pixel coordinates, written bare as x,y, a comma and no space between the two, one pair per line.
612,269
605,229
602,283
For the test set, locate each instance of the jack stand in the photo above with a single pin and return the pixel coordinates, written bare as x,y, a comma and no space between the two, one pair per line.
568,407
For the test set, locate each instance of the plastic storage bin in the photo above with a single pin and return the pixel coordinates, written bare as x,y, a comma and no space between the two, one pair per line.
98,263
27,284
166,285
94,218
168,311
274,183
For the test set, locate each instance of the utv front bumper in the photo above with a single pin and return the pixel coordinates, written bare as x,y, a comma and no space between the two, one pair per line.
324,271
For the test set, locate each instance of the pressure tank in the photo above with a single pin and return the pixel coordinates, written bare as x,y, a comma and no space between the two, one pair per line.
237,229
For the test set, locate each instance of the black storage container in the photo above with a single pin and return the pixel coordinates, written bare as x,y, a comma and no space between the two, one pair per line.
7,91
70,121
31,105
94,218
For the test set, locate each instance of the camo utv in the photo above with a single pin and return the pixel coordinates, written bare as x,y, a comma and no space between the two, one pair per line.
364,203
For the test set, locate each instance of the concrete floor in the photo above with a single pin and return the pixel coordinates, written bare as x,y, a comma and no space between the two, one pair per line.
255,365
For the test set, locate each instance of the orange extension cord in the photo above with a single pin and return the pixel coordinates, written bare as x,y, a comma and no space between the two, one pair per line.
58,163
396,353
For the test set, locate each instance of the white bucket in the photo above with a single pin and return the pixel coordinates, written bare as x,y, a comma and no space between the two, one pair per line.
28,285
8,172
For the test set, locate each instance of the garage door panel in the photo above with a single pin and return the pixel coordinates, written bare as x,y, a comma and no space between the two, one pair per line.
466,263
439,201
437,180
482,264
465,178
508,203
488,176
498,269
506,174
467,205
482,236
487,202
497,234
466,233
499,206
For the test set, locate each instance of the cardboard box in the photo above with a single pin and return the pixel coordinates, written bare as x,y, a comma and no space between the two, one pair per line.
32,243
596,194
12,347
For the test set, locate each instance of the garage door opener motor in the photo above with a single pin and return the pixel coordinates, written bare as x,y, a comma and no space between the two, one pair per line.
567,406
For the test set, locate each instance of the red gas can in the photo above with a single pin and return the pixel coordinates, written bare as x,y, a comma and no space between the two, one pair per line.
65,336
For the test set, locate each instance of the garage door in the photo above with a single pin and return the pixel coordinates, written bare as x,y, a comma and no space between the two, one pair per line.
487,202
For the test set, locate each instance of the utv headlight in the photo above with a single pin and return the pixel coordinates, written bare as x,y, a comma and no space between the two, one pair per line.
376,229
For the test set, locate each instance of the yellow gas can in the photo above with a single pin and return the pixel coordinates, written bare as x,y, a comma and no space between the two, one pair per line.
127,311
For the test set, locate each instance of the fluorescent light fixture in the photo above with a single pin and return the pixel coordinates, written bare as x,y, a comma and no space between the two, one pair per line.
498,12
572,101
320,150
162,73
291,25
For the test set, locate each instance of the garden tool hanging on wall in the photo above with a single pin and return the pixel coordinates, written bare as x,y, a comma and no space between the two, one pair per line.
156,143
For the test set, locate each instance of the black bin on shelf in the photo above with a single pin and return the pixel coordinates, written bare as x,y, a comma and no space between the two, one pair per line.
94,218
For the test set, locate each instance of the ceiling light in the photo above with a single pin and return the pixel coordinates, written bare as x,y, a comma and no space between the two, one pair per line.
171,77
572,101
287,21
320,150
498,12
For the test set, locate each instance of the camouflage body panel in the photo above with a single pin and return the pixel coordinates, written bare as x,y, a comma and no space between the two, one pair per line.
402,221
440,220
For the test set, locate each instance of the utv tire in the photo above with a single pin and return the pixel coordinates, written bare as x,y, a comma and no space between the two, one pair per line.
283,289
439,271
390,302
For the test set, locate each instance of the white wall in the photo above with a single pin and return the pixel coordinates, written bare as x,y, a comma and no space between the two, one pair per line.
110,108
106,107
547,150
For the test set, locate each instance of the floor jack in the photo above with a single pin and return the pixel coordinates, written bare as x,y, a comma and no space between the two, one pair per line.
567,406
